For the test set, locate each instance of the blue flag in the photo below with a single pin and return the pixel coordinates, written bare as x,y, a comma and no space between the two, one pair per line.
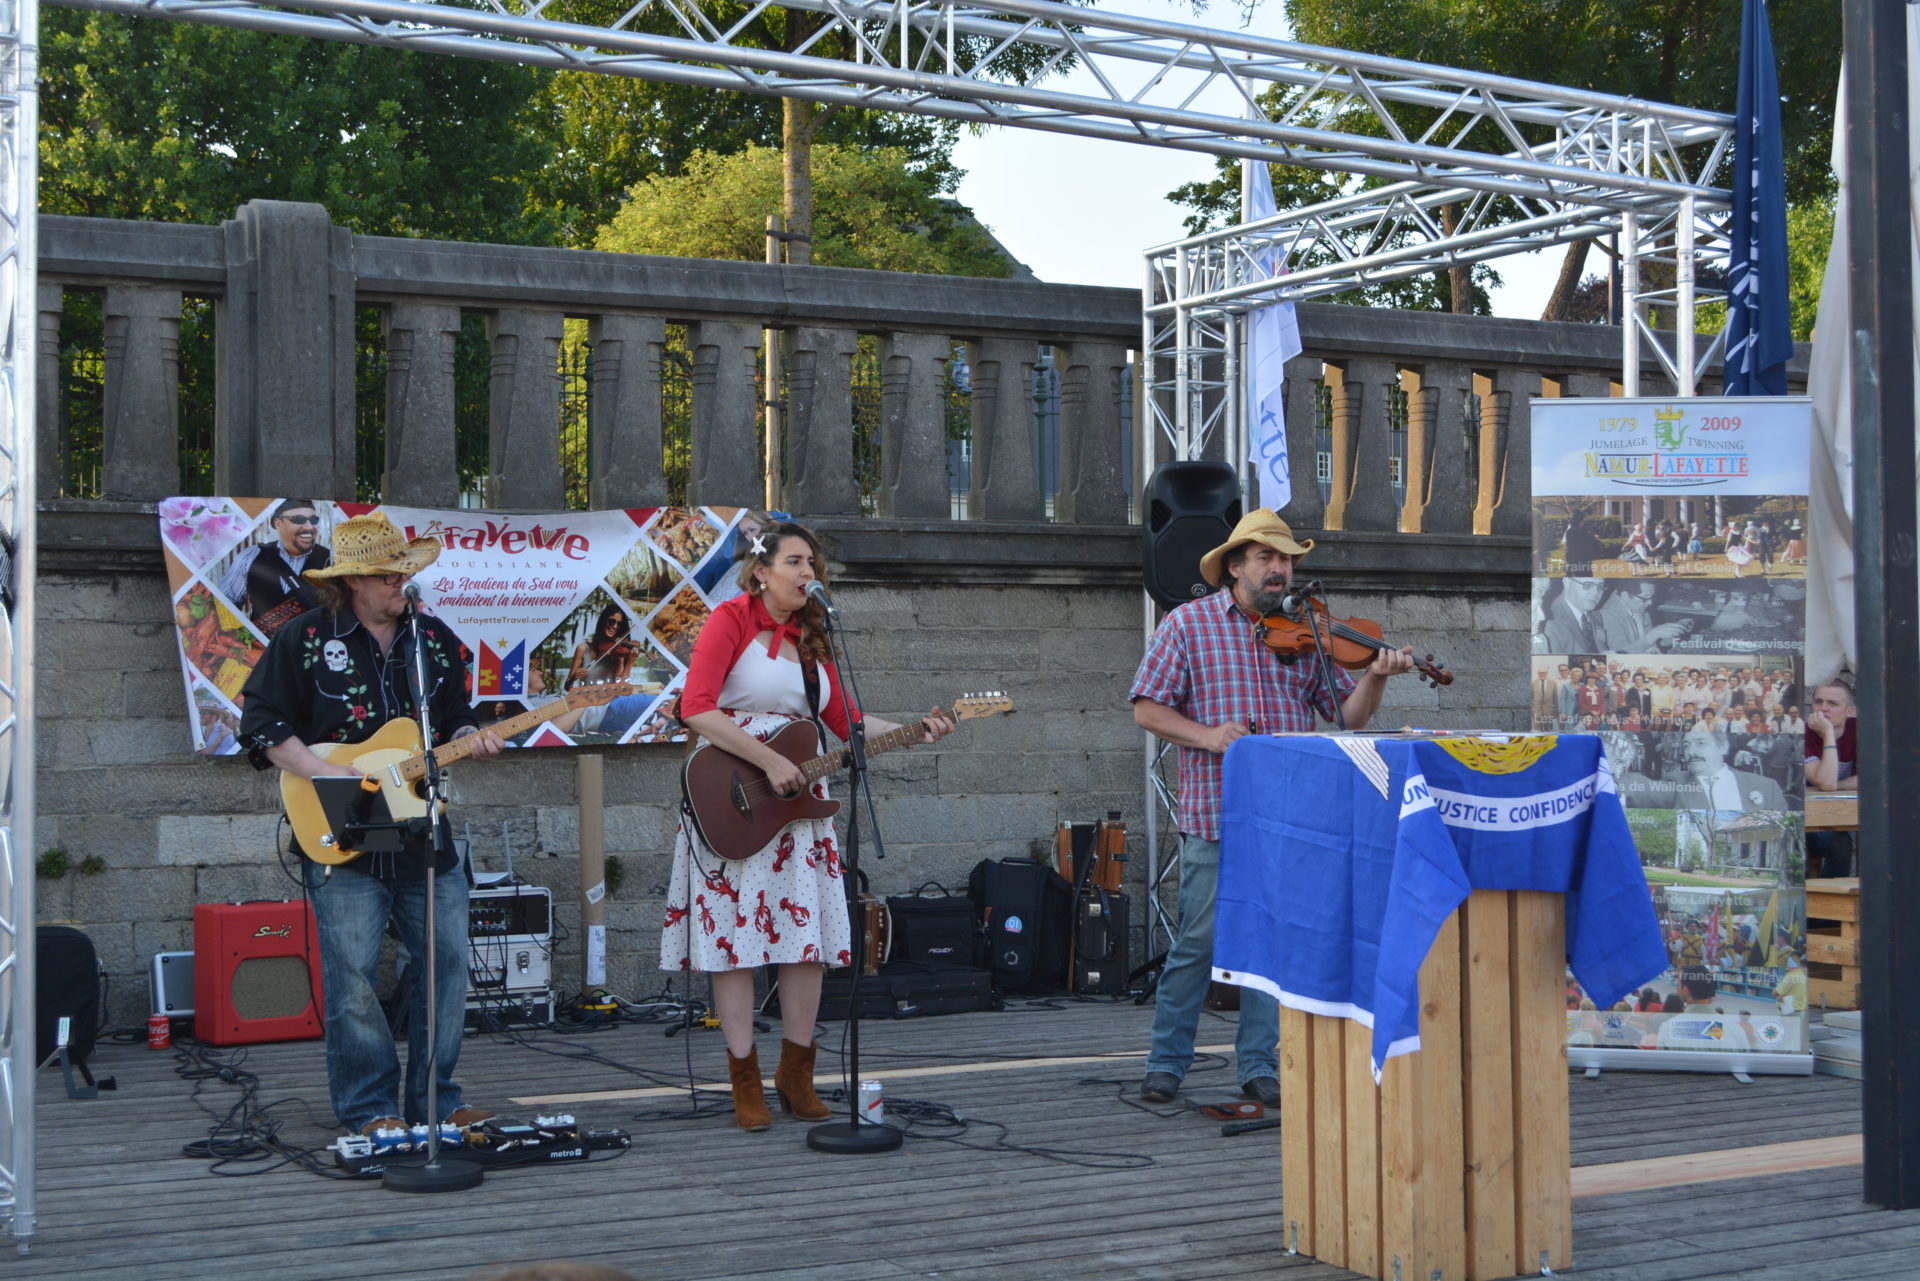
1273,338
1341,858
1759,332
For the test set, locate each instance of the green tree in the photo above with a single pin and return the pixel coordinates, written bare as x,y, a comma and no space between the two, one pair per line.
646,128
876,210
609,132
177,122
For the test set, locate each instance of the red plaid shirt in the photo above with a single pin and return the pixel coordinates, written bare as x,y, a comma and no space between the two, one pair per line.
1207,663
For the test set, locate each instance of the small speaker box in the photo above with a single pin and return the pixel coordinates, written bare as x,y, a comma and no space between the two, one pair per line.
256,973
170,985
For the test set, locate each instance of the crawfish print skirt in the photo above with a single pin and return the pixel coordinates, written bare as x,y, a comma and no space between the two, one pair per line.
787,903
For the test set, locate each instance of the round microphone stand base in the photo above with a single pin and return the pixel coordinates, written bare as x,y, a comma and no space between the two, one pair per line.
440,1176
853,1138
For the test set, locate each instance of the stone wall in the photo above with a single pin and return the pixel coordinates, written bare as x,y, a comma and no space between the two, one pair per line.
1052,615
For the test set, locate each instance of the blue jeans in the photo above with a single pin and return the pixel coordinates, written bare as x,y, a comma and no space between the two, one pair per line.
363,1064
1189,968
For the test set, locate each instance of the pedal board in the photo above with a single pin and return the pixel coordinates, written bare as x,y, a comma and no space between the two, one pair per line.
494,1144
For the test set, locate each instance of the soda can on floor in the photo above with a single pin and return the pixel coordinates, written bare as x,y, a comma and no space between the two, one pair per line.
873,1103
159,1032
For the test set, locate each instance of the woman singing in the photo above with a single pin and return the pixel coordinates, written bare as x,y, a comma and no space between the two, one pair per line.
786,905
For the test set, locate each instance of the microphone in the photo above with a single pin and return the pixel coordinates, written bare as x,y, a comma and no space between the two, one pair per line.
1296,599
817,590
412,592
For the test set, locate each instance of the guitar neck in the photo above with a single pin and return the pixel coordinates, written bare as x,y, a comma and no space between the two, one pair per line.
460,748
906,736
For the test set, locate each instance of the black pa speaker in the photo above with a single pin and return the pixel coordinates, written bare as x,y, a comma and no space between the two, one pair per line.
67,985
1190,509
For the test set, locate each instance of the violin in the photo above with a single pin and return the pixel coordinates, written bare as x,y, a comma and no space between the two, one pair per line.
1351,642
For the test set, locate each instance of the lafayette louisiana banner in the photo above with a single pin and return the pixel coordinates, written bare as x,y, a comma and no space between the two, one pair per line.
540,602
1669,597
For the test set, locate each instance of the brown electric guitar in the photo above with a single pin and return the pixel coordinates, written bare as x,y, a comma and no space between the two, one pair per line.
393,757
736,808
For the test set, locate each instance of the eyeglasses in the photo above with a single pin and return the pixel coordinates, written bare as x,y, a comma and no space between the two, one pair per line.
385,580
300,520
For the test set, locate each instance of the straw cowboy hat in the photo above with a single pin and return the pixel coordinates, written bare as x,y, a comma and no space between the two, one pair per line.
1258,526
371,545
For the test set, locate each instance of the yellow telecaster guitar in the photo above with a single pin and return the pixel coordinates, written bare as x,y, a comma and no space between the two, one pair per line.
393,758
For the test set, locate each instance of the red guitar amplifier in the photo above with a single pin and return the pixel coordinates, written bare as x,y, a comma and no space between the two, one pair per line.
256,973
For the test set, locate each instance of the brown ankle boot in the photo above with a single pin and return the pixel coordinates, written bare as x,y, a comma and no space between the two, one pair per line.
749,1099
793,1082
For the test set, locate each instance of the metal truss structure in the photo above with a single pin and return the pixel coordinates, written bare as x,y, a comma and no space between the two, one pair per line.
19,271
1516,165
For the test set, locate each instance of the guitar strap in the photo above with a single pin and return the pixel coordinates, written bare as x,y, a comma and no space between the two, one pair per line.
810,677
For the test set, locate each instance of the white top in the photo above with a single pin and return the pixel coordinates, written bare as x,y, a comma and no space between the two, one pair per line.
758,683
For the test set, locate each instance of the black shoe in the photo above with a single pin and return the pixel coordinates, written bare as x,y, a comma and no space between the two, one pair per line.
1264,1089
1160,1087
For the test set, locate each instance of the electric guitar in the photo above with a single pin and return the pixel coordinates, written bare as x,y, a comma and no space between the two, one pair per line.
736,809
394,759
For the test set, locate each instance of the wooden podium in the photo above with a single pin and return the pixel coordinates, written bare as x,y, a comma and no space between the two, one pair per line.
1457,1165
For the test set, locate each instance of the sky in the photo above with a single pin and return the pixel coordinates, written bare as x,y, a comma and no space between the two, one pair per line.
1084,210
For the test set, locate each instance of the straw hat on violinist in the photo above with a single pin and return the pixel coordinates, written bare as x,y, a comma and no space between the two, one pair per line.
1258,526
371,545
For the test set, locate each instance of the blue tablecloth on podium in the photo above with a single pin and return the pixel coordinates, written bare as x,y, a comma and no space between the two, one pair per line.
1341,856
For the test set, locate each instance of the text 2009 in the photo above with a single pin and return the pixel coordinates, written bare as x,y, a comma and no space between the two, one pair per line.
1719,424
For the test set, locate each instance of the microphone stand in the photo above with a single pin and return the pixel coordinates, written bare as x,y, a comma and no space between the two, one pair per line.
433,1174
856,1136
1307,593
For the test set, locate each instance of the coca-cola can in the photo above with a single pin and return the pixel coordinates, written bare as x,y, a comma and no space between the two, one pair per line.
159,1032
873,1103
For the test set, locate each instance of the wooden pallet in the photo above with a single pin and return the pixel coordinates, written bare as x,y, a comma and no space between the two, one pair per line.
1833,943
1455,1166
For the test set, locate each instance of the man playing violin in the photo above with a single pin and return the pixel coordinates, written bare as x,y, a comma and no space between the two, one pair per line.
1206,680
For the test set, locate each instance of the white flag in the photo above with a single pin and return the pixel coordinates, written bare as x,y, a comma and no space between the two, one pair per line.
1273,338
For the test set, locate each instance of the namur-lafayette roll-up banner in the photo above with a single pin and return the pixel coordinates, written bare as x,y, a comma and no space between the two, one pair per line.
1669,595
541,603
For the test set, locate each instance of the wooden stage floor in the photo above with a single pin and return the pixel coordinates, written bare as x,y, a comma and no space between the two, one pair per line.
1055,1176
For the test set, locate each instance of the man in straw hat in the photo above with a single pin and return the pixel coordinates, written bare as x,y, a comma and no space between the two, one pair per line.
336,674
1206,679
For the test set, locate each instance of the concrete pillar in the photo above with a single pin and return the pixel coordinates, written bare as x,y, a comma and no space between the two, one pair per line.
51,470
820,478
1362,482
1438,488
284,354
140,418
726,460
1307,510
1505,483
523,454
1091,430
1006,482
913,426
625,465
423,468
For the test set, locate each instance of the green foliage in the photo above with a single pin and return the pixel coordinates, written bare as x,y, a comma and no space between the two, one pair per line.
92,865
874,209
177,122
1216,203
616,873
1809,237
53,864
609,132
1678,51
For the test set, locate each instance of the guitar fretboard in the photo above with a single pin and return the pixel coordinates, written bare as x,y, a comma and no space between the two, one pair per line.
907,735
